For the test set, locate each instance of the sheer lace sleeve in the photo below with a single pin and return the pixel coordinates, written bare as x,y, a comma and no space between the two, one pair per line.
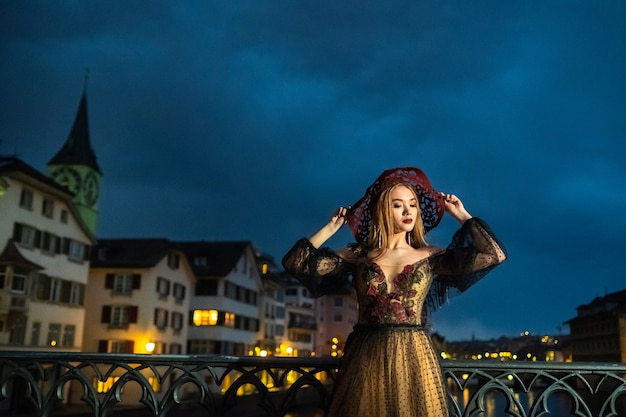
321,271
473,252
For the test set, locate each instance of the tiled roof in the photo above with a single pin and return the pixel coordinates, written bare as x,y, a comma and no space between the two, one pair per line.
12,164
12,255
618,297
130,253
214,258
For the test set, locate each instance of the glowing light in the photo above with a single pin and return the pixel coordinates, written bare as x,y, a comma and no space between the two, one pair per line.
150,347
205,317
53,343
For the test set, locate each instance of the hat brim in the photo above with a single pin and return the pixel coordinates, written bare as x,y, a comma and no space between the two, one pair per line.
432,206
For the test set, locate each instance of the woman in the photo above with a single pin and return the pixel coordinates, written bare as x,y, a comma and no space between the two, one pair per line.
390,367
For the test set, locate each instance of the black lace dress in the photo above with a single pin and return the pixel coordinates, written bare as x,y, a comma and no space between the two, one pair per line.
390,367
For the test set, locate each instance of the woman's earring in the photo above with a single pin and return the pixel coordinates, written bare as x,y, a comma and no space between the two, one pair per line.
380,237
408,238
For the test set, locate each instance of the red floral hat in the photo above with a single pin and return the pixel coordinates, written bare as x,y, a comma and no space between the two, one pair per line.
431,205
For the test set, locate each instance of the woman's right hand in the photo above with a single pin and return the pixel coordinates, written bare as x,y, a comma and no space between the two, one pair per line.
336,221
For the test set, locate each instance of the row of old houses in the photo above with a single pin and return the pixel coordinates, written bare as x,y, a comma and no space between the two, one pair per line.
63,288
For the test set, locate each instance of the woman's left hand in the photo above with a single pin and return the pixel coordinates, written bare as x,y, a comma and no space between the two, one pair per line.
454,206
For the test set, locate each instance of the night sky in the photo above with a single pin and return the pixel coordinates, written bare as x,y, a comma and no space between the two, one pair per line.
254,120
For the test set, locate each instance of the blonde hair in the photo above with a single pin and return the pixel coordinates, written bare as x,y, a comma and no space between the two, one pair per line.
383,223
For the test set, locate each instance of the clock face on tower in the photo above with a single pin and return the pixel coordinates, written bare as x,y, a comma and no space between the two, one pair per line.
90,189
67,177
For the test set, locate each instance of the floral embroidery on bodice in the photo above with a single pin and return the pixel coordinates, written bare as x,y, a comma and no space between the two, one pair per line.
393,300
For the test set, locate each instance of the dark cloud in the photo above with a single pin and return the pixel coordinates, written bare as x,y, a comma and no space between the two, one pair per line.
253,120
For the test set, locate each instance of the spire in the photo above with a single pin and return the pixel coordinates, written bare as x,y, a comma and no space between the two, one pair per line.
77,148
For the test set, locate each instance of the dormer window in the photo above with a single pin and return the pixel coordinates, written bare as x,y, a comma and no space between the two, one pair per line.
173,260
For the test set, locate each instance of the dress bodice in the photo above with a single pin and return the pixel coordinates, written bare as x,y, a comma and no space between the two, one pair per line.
394,299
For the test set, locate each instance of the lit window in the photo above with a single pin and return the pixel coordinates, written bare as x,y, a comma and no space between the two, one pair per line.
205,317
104,386
229,320
154,383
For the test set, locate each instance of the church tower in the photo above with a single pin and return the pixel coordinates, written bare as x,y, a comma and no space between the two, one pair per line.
75,166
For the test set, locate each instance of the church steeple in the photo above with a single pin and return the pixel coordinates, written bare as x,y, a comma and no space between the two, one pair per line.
77,149
75,166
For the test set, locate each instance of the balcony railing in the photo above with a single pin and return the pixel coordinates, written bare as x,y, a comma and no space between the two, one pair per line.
50,384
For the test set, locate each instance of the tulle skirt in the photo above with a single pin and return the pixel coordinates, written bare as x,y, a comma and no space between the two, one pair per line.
389,371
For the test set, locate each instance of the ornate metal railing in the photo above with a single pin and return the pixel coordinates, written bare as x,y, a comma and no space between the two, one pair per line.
50,384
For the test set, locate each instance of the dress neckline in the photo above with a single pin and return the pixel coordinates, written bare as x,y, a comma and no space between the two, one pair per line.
404,268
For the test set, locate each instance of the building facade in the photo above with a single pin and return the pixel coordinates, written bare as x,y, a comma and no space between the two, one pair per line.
300,317
138,297
44,261
598,332
225,306
336,316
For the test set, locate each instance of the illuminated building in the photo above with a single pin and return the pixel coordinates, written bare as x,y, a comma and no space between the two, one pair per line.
225,303
301,323
138,297
599,330
336,316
